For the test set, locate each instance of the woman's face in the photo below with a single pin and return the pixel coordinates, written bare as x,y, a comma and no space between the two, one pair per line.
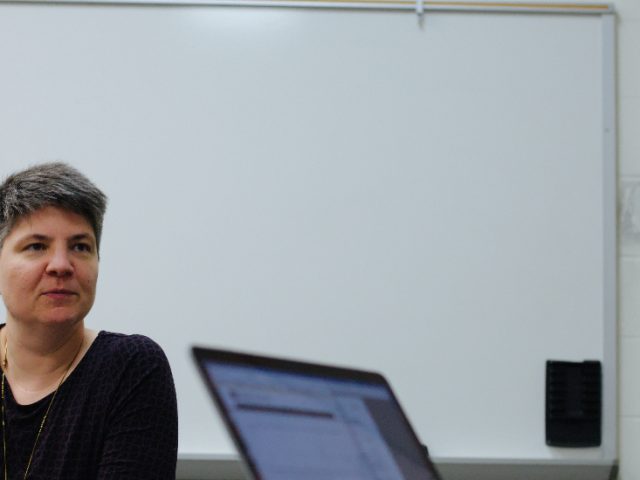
49,268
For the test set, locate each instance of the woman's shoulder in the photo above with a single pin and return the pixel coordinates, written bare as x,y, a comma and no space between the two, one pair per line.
126,341
121,347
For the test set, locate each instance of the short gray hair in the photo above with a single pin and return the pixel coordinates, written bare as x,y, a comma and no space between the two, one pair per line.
54,184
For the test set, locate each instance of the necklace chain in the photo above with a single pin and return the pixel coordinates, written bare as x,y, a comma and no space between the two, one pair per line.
44,417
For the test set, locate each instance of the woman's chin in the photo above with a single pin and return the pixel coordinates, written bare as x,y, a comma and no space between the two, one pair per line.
58,320
61,316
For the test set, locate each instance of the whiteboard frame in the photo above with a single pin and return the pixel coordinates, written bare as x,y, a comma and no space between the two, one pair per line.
229,467
418,6
610,314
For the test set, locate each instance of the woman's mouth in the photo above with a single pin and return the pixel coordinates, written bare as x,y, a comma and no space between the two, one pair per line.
58,293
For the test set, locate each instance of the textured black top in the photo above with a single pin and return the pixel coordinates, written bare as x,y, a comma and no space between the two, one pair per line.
114,417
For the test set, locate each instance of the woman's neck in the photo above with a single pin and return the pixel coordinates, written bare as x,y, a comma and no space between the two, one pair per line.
35,359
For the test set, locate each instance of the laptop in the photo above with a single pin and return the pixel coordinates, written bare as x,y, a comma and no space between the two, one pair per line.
293,420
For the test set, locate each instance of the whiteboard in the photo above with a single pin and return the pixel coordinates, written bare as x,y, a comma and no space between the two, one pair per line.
340,186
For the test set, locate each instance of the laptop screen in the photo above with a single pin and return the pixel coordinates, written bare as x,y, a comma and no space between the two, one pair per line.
300,421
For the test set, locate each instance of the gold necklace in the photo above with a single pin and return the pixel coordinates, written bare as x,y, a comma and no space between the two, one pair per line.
44,418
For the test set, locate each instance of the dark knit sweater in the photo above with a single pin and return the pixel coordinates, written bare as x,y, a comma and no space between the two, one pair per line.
114,417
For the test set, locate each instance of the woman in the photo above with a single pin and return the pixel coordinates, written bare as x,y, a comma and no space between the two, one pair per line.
76,403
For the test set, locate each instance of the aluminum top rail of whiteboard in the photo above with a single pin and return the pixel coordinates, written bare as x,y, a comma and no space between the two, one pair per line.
426,6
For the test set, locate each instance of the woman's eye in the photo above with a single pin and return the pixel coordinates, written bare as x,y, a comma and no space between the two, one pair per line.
82,247
35,247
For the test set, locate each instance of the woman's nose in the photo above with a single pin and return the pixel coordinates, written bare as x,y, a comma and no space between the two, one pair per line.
59,263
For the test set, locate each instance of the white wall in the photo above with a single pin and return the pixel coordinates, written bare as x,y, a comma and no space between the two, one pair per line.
629,233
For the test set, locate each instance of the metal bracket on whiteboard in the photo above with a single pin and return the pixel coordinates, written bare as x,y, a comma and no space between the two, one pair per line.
420,10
